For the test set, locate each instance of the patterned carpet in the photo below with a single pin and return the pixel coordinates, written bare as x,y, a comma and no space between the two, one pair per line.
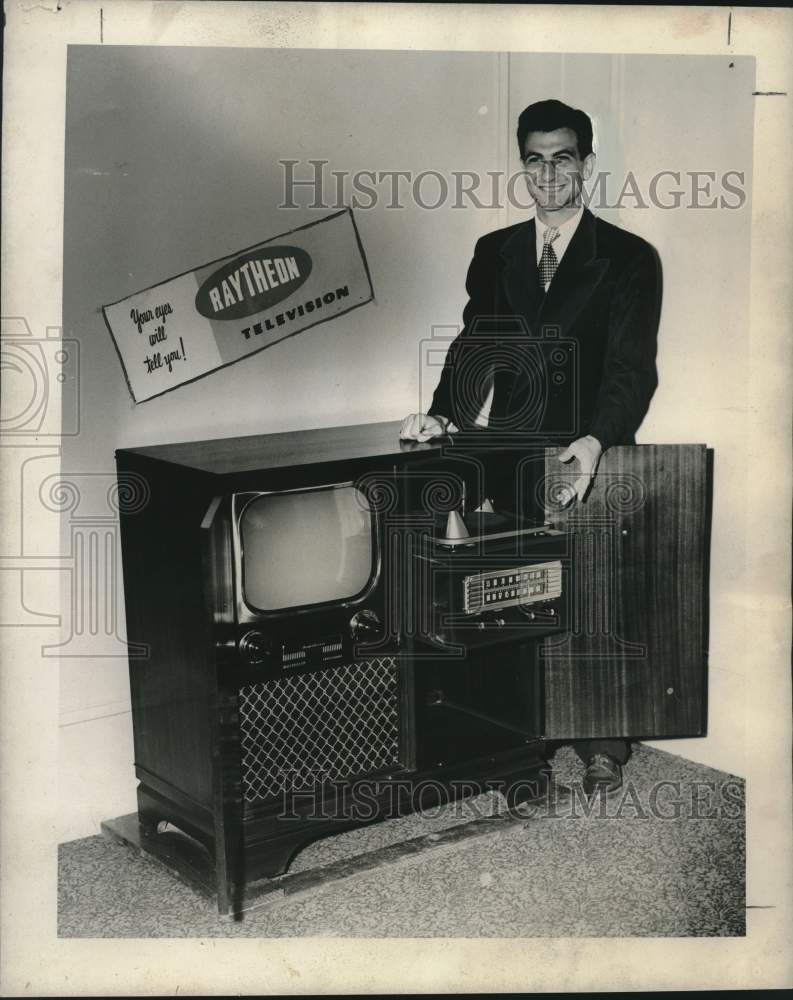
664,857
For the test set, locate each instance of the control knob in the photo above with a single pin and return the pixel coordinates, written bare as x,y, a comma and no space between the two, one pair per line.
254,647
365,626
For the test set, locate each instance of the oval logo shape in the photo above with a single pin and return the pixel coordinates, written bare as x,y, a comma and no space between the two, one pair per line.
256,281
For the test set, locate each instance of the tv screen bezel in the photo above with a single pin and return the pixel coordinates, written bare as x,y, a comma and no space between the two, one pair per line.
248,613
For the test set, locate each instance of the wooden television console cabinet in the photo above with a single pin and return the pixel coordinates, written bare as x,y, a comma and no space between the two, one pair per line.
451,669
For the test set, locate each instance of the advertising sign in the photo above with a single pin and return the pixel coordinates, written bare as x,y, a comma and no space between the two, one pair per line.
190,325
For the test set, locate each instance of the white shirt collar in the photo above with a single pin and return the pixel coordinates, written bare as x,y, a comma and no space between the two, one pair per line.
566,233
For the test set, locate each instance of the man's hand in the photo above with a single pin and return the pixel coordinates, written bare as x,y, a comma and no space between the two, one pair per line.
421,427
588,451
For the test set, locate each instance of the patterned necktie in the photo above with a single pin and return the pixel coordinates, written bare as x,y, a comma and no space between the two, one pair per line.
548,261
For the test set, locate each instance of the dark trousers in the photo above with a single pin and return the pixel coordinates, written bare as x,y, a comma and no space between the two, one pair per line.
620,750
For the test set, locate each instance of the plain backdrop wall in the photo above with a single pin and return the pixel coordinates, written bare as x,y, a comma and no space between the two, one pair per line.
172,161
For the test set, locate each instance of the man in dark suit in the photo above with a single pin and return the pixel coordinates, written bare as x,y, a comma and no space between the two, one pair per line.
598,288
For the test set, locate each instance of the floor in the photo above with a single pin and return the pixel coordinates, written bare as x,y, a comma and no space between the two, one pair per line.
663,857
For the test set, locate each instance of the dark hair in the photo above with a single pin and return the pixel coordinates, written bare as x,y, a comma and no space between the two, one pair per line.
547,116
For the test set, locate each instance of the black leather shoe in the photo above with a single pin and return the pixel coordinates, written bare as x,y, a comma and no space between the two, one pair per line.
603,775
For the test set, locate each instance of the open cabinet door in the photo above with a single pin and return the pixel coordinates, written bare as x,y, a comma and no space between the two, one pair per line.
634,663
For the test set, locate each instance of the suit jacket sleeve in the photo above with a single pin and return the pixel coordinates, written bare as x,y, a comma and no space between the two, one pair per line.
630,376
480,285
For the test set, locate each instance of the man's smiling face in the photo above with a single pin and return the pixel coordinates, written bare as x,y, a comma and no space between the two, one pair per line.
555,172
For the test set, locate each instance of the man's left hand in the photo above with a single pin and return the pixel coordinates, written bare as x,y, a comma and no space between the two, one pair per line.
588,451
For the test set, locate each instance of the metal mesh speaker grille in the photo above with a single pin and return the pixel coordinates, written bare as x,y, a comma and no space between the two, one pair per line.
339,723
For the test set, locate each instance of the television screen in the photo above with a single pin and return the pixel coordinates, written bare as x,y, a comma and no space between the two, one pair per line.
304,548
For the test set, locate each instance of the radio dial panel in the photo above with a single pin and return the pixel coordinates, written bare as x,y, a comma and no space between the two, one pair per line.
508,588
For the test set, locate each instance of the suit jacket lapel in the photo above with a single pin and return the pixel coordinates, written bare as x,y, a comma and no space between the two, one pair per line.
520,275
579,273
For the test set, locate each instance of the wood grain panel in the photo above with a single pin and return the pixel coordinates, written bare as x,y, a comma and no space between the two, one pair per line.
165,609
289,449
634,662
